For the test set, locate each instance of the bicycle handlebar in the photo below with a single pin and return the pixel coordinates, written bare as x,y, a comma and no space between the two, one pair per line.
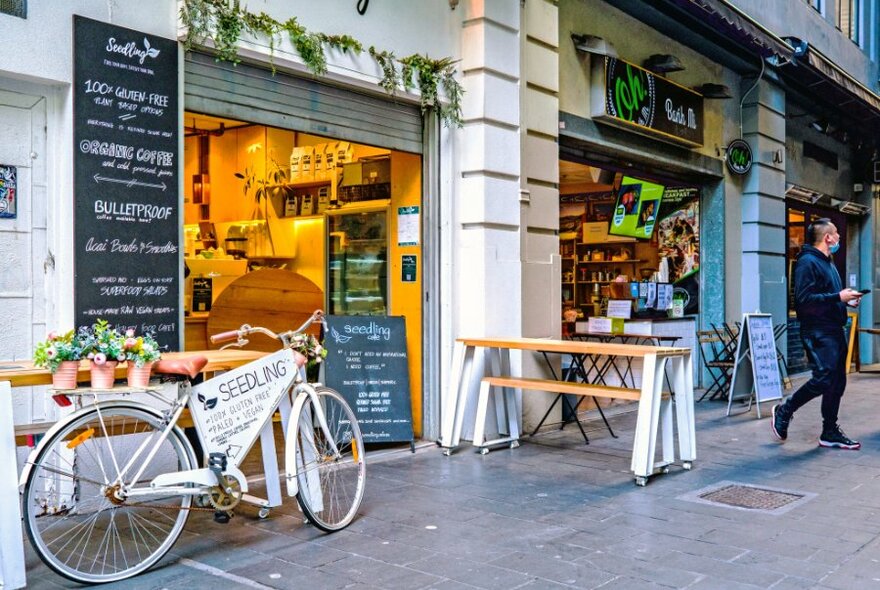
245,330
224,336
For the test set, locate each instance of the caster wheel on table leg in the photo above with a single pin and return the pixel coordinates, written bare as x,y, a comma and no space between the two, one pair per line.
641,481
263,513
687,465
484,451
514,444
447,452
664,469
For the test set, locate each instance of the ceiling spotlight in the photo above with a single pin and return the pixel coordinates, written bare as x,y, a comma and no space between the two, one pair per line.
663,63
709,90
593,44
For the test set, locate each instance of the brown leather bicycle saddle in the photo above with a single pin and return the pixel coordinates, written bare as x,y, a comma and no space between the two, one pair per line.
189,366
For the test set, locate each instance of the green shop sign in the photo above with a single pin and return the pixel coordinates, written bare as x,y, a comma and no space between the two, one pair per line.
738,157
636,99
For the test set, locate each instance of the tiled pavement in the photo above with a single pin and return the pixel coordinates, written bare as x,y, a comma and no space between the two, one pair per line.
555,513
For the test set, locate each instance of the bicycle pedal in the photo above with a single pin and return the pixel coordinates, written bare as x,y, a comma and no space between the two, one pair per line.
222,517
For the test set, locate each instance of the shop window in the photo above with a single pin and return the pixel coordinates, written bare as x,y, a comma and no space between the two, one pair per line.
14,8
620,233
848,18
341,215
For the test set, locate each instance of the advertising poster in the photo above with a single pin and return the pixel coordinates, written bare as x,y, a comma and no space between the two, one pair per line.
678,240
637,207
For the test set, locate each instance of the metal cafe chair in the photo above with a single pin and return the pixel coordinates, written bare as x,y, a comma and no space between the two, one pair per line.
778,331
718,362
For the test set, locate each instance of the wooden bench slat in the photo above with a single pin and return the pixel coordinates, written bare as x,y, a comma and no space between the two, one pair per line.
565,387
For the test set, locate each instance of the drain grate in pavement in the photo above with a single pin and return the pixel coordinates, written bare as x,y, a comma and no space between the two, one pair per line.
752,498
731,494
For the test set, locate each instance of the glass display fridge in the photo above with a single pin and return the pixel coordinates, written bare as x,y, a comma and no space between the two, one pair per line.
357,281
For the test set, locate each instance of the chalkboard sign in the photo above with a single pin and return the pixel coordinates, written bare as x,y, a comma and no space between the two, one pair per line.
367,363
126,217
756,368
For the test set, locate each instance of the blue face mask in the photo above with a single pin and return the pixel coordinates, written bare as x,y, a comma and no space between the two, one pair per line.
835,247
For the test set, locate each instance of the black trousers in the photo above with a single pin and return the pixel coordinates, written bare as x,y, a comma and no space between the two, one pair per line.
826,351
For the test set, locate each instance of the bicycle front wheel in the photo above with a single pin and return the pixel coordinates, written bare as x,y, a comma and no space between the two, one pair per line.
75,508
331,467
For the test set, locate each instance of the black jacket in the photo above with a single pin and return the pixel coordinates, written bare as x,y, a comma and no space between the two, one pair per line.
817,290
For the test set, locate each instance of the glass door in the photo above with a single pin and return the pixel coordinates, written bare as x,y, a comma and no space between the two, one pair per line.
357,281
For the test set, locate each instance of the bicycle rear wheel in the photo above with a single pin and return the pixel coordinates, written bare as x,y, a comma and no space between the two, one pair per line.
331,484
77,516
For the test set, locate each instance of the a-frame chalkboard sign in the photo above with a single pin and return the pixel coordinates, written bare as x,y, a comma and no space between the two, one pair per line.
367,363
756,367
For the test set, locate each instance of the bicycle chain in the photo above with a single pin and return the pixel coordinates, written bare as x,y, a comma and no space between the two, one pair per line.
229,480
169,507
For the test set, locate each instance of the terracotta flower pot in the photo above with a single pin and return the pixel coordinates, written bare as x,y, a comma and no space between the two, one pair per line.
64,376
103,375
139,376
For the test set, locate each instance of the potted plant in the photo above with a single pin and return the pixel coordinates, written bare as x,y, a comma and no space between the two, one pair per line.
140,352
60,353
274,187
105,348
309,347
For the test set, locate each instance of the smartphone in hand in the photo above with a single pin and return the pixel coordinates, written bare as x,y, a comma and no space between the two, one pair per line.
864,291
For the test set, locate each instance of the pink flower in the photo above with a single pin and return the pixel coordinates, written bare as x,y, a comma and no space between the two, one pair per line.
51,352
100,358
129,333
91,355
52,335
130,342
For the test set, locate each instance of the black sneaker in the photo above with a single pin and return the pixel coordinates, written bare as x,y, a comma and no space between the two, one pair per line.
835,438
780,421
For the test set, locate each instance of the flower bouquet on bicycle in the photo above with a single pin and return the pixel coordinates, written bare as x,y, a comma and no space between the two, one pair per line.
108,490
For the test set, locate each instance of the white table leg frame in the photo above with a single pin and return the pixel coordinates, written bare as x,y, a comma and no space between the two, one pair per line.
456,400
12,564
653,411
505,407
480,426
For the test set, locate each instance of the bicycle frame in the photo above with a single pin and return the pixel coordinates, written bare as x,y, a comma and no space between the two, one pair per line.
287,385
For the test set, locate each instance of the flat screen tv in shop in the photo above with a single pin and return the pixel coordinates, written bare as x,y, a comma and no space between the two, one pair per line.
636,208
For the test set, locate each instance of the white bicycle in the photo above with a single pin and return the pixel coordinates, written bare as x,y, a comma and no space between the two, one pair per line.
108,490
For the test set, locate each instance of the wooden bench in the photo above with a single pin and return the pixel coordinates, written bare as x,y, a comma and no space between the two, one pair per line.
532,384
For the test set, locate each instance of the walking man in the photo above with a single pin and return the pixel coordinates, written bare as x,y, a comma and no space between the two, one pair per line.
820,302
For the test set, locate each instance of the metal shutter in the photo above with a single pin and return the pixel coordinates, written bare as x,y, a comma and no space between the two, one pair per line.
253,94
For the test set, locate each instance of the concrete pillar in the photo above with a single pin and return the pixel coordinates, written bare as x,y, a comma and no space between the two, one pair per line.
487,269
763,279
488,261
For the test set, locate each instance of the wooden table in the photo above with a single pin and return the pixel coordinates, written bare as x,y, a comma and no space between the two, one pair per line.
21,374
651,412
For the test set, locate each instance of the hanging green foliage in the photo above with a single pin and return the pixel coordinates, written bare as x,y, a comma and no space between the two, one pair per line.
225,22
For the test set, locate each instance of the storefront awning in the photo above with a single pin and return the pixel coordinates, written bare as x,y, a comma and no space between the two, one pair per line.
801,64
728,19
827,81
